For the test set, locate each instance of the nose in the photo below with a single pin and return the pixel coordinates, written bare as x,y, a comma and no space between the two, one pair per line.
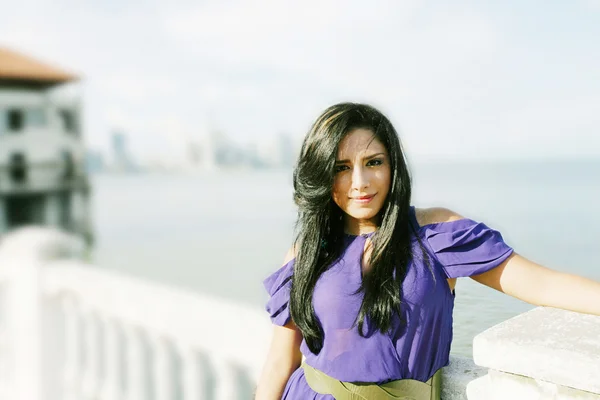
360,179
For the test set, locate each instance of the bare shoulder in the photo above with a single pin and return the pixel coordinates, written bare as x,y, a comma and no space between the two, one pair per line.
290,255
434,215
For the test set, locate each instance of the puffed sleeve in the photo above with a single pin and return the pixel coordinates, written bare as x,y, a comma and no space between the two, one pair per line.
278,285
466,247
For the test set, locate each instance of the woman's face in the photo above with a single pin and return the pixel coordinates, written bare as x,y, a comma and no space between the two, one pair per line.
362,177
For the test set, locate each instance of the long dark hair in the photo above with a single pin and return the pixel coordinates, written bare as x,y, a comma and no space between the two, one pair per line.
319,227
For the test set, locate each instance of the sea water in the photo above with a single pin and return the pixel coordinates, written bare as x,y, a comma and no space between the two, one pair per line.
222,233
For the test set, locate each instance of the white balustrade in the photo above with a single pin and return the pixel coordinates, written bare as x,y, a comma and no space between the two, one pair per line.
111,385
128,313
193,375
226,379
91,372
136,384
163,369
72,388
138,330
4,367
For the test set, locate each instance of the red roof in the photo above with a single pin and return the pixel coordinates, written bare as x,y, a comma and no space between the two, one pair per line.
18,67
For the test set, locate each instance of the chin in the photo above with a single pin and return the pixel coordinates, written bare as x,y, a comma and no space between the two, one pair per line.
362,213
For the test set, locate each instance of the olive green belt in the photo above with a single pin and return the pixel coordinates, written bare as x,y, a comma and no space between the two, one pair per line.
402,389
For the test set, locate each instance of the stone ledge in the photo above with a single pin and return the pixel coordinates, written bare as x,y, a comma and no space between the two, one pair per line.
480,389
457,376
509,386
546,344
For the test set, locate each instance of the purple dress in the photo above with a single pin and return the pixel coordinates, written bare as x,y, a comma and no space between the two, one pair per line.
415,350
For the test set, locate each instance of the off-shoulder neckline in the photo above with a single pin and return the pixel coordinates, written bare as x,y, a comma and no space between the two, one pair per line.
413,217
413,220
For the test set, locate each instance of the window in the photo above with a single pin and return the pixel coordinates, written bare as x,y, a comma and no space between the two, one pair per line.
3,121
18,167
68,165
15,120
65,216
68,121
25,210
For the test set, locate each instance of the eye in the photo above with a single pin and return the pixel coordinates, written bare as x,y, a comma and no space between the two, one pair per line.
375,162
340,168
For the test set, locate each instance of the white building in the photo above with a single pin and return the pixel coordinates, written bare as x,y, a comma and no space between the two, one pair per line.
42,158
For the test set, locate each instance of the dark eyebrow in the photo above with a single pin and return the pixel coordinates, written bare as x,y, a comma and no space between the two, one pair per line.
366,158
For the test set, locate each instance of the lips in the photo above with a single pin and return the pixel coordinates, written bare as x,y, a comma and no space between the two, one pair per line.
363,199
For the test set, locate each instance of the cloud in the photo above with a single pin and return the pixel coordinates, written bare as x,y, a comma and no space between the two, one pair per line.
135,87
592,4
393,54
309,38
453,79
363,47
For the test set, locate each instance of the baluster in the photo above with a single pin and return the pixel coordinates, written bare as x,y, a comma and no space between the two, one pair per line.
4,371
72,349
226,380
163,371
193,375
90,383
111,388
135,366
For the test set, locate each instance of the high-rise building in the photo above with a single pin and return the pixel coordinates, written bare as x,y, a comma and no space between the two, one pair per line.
122,160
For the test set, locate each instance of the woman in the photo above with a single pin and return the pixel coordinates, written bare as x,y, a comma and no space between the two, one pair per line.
367,291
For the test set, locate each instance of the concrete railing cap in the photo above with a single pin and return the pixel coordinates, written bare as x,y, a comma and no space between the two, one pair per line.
545,343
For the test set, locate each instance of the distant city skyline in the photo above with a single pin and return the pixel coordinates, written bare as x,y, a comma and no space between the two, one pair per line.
478,80
214,151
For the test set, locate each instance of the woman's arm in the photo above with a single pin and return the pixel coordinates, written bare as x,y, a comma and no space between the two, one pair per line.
541,286
528,281
284,357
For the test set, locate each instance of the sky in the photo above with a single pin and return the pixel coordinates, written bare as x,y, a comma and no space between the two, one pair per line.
481,80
